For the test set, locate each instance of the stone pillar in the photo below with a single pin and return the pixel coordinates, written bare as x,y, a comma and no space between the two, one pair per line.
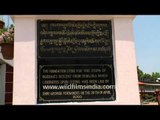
24,86
125,61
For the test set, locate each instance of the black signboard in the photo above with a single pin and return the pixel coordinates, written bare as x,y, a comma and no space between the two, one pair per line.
74,39
75,61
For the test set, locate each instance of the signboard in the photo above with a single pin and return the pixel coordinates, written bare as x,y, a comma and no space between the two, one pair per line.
74,39
75,61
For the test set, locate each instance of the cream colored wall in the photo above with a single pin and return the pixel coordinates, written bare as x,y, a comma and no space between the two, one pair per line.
25,81
125,62
24,86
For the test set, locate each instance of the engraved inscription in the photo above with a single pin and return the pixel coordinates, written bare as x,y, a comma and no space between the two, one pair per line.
69,82
75,61
74,39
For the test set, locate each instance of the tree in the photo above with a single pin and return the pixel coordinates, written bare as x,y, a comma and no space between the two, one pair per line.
155,75
140,73
147,77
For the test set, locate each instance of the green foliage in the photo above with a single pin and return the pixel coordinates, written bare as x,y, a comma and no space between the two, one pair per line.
140,73
147,77
1,31
11,26
149,97
155,75
5,29
7,35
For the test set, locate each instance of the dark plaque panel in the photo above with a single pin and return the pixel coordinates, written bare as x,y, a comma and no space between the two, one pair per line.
74,39
75,61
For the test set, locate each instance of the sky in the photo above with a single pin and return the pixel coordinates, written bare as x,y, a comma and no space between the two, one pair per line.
6,20
147,41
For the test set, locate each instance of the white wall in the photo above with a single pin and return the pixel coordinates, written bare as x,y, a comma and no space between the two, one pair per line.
25,80
2,83
24,87
126,71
